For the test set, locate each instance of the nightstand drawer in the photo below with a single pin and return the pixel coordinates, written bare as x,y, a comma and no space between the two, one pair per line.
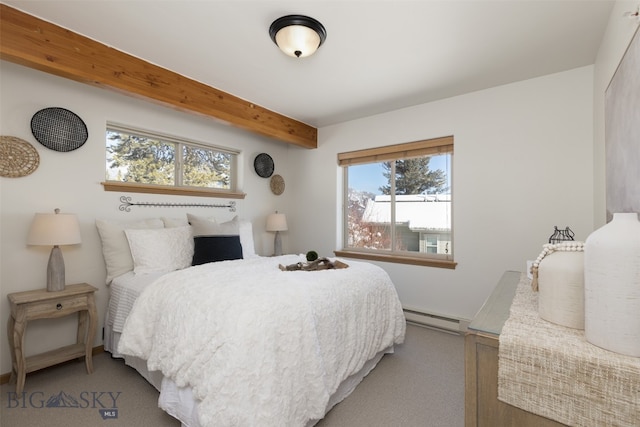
57,307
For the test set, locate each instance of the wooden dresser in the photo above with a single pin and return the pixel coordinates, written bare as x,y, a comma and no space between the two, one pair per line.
482,407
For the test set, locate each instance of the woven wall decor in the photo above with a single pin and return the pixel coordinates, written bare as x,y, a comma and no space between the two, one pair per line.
17,157
277,185
263,165
59,129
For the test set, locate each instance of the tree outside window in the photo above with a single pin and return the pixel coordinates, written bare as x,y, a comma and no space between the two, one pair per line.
139,157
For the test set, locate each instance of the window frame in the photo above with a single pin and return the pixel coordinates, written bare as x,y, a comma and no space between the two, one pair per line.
429,147
178,188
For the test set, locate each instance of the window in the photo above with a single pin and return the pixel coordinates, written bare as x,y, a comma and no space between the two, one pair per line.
397,203
148,159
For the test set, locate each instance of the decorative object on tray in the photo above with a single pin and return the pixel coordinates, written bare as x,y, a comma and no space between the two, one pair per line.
277,222
277,185
560,281
612,285
17,157
312,256
319,264
54,229
263,165
561,235
59,129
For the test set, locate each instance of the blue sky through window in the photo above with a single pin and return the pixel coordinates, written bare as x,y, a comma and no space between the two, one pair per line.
369,176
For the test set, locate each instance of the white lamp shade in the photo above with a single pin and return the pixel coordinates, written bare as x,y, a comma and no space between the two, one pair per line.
298,38
277,222
50,229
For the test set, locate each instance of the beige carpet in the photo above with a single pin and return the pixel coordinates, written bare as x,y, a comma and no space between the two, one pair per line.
422,384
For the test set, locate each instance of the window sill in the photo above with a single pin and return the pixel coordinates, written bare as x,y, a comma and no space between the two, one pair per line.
129,187
398,259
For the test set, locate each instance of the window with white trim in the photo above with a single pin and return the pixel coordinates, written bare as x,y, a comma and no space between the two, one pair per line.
143,157
398,203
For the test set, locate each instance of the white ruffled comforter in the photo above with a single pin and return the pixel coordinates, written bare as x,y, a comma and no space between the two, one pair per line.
260,346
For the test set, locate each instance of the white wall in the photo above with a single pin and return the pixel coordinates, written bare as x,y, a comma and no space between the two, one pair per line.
617,38
71,181
523,156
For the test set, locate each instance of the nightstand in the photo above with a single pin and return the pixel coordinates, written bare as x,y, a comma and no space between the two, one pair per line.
41,304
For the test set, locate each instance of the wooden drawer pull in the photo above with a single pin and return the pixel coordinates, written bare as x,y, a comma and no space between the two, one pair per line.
58,306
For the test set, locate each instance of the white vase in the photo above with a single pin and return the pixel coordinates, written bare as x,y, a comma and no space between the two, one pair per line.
612,285
561,289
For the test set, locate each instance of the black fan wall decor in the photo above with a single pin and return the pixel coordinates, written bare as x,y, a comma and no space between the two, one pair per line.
59,129
263,165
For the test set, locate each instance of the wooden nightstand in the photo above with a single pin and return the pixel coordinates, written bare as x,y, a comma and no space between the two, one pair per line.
41,304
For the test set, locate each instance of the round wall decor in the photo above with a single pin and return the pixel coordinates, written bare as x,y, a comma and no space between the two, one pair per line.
59,129
263,164
17,157
277,185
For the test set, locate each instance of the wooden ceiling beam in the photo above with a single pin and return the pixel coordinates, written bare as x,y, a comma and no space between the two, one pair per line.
38,44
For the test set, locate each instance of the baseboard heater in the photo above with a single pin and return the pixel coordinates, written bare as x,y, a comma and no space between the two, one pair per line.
436,321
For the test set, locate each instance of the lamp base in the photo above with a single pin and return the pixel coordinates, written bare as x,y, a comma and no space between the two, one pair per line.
55,271
277,244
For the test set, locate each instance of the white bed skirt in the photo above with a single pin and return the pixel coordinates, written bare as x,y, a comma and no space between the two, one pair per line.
179,402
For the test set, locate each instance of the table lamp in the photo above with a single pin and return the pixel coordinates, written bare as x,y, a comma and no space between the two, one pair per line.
54,229
277,222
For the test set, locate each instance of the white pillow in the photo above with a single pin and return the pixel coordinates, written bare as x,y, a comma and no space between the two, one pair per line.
162,250
175,222
202,226
246,238
115,247
209,227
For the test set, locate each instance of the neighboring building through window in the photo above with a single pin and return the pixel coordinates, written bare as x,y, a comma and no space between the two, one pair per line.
141,157
397,203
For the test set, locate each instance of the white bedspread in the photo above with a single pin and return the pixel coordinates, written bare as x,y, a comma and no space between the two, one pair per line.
260,346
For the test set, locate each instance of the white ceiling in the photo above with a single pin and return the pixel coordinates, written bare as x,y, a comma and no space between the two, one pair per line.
378,56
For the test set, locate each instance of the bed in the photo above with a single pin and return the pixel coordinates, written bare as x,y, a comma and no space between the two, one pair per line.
240,342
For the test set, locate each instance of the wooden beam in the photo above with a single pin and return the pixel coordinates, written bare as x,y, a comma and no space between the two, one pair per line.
34,43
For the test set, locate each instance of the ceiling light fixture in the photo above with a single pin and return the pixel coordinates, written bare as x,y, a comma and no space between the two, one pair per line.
297,35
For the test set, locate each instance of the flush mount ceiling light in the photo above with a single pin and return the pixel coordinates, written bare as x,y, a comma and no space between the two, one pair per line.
297,35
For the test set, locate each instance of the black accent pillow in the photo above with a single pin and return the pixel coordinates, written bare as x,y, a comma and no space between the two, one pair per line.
216,248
